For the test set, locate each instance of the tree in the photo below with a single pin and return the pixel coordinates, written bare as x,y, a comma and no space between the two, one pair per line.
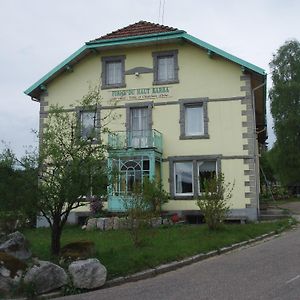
213,202
18,189
71,167
154,195
143,204
285,109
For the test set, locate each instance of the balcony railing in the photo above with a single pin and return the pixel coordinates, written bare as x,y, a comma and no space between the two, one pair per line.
137,139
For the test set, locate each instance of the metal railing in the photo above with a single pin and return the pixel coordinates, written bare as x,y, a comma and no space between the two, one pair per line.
137,139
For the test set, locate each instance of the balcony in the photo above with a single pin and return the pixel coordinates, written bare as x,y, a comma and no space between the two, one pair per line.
139,139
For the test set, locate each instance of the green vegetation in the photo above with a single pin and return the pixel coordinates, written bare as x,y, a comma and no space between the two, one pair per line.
144,203
285,109
213,202
116,251
18,190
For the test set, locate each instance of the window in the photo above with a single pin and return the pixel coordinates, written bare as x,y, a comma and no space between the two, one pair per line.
188,175
87,124
139,124
131,172
88,121
206,171
193,119
113,72
165,67
183,172
140,131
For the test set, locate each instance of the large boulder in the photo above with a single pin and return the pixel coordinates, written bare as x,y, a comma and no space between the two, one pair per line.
87,274
116,223
16,245
101,223
6,283
45,277
11,270
91,224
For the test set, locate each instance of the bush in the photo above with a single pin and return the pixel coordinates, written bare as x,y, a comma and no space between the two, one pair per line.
143,204
78,250
213,202
96,206
154,195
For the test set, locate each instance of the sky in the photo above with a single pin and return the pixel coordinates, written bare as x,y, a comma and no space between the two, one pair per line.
36,35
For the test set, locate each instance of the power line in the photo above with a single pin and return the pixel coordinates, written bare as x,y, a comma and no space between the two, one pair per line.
163,12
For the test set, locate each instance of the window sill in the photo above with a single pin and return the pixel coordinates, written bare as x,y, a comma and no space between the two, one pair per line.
182,197
194,137
113,86
165,82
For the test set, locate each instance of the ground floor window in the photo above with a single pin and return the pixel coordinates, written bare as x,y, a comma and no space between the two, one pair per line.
183,178
206,171
189,176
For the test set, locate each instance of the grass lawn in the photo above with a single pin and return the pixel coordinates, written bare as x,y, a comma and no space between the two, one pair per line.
116,251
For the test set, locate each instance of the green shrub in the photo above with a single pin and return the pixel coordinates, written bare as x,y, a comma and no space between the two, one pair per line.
213,202
78,249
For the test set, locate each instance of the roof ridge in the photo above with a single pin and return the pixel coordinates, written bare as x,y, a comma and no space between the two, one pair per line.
139,28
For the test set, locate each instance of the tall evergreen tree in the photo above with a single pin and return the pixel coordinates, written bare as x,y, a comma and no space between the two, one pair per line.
285,108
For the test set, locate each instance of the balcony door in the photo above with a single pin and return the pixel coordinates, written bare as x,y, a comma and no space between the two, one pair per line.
140,127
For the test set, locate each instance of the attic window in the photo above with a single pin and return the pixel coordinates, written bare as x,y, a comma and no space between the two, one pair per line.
165,67
113,72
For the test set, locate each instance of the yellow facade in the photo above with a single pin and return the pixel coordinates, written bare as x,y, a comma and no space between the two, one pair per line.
200,76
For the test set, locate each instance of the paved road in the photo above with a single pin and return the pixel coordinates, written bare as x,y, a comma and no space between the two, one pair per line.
268,270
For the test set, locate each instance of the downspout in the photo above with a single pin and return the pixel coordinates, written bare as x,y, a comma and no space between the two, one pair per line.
256,167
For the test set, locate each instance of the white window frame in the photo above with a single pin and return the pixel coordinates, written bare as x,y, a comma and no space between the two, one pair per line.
198,105
193,102
193,185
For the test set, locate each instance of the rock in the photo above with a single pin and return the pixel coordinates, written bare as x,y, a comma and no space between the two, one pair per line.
46,277
7,281
11,266
100,223
166,222
123,223
91,224
6,284
16,245
156,222
87,274
116,223
108,223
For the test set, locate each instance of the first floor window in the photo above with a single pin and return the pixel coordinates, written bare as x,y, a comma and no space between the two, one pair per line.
183,178
194,124
87,119
190,176
193,118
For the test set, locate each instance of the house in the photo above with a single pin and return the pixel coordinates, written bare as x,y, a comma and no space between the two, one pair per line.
188,110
